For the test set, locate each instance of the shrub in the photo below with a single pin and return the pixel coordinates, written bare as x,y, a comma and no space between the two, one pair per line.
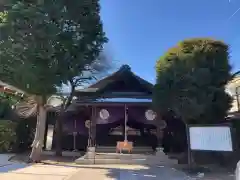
7,135
25,130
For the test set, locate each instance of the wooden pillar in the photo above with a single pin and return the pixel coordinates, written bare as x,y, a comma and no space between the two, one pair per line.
92,138
75,136
45,134
159,132
125,122
159,141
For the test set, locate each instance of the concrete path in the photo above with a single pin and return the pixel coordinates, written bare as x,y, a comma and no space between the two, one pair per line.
21,171
11,170
110,172
4,159
37,172
157,173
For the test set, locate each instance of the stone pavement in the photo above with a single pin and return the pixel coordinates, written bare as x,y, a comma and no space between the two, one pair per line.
94,172
101,172
36,172
4,159
63,171
131,173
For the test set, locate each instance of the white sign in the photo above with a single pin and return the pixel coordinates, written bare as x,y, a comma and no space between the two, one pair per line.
217,138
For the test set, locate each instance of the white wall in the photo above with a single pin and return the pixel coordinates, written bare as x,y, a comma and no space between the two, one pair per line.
231,89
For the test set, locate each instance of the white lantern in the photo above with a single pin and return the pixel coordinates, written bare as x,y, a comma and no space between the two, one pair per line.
162,124
150,115
104,114
87,124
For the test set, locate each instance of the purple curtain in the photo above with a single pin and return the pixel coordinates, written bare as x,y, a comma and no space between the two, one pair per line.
138,114
115,115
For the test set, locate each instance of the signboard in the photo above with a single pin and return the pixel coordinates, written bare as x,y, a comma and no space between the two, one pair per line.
210,138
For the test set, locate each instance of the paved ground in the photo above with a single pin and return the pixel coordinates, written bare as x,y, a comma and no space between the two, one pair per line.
21,171
55,172
4,159
58,172
158,173
38,172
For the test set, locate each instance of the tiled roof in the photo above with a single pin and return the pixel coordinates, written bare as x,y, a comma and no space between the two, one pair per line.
125,69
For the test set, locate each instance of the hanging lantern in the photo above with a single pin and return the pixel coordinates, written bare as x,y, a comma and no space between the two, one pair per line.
104,114
150,115
87,124
162,124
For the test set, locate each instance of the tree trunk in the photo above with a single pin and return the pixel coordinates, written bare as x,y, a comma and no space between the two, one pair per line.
37,145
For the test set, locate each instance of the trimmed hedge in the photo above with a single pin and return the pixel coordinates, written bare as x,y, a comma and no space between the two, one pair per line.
7,135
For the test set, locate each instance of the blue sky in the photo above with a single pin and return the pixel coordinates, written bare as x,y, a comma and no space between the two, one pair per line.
140,31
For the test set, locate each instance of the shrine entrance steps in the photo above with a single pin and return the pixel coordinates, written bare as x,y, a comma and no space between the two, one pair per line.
136,150
159,158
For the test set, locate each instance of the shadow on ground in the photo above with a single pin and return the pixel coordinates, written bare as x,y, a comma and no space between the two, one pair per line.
126,172
7,166
134,172
151,173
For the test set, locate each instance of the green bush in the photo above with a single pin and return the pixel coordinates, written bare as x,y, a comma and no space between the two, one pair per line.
25,130
7,135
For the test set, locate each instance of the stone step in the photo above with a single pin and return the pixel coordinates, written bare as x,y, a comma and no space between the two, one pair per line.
115,158
126,161
119,156
128,156
112,149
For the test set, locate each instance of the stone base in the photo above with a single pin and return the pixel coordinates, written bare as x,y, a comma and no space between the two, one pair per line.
91,153
88,158
112,158
64,153
160,158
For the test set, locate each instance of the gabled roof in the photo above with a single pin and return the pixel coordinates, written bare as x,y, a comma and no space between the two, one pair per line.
124,71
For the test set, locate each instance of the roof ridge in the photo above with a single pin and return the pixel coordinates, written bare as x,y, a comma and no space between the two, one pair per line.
123,68
121,71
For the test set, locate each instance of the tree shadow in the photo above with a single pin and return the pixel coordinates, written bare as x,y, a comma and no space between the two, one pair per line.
8,166
133,172
12,167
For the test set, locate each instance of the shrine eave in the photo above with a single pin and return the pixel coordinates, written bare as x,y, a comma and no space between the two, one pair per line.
110,102
114,100
124,100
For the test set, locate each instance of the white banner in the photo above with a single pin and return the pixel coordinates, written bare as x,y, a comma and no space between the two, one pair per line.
215,138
